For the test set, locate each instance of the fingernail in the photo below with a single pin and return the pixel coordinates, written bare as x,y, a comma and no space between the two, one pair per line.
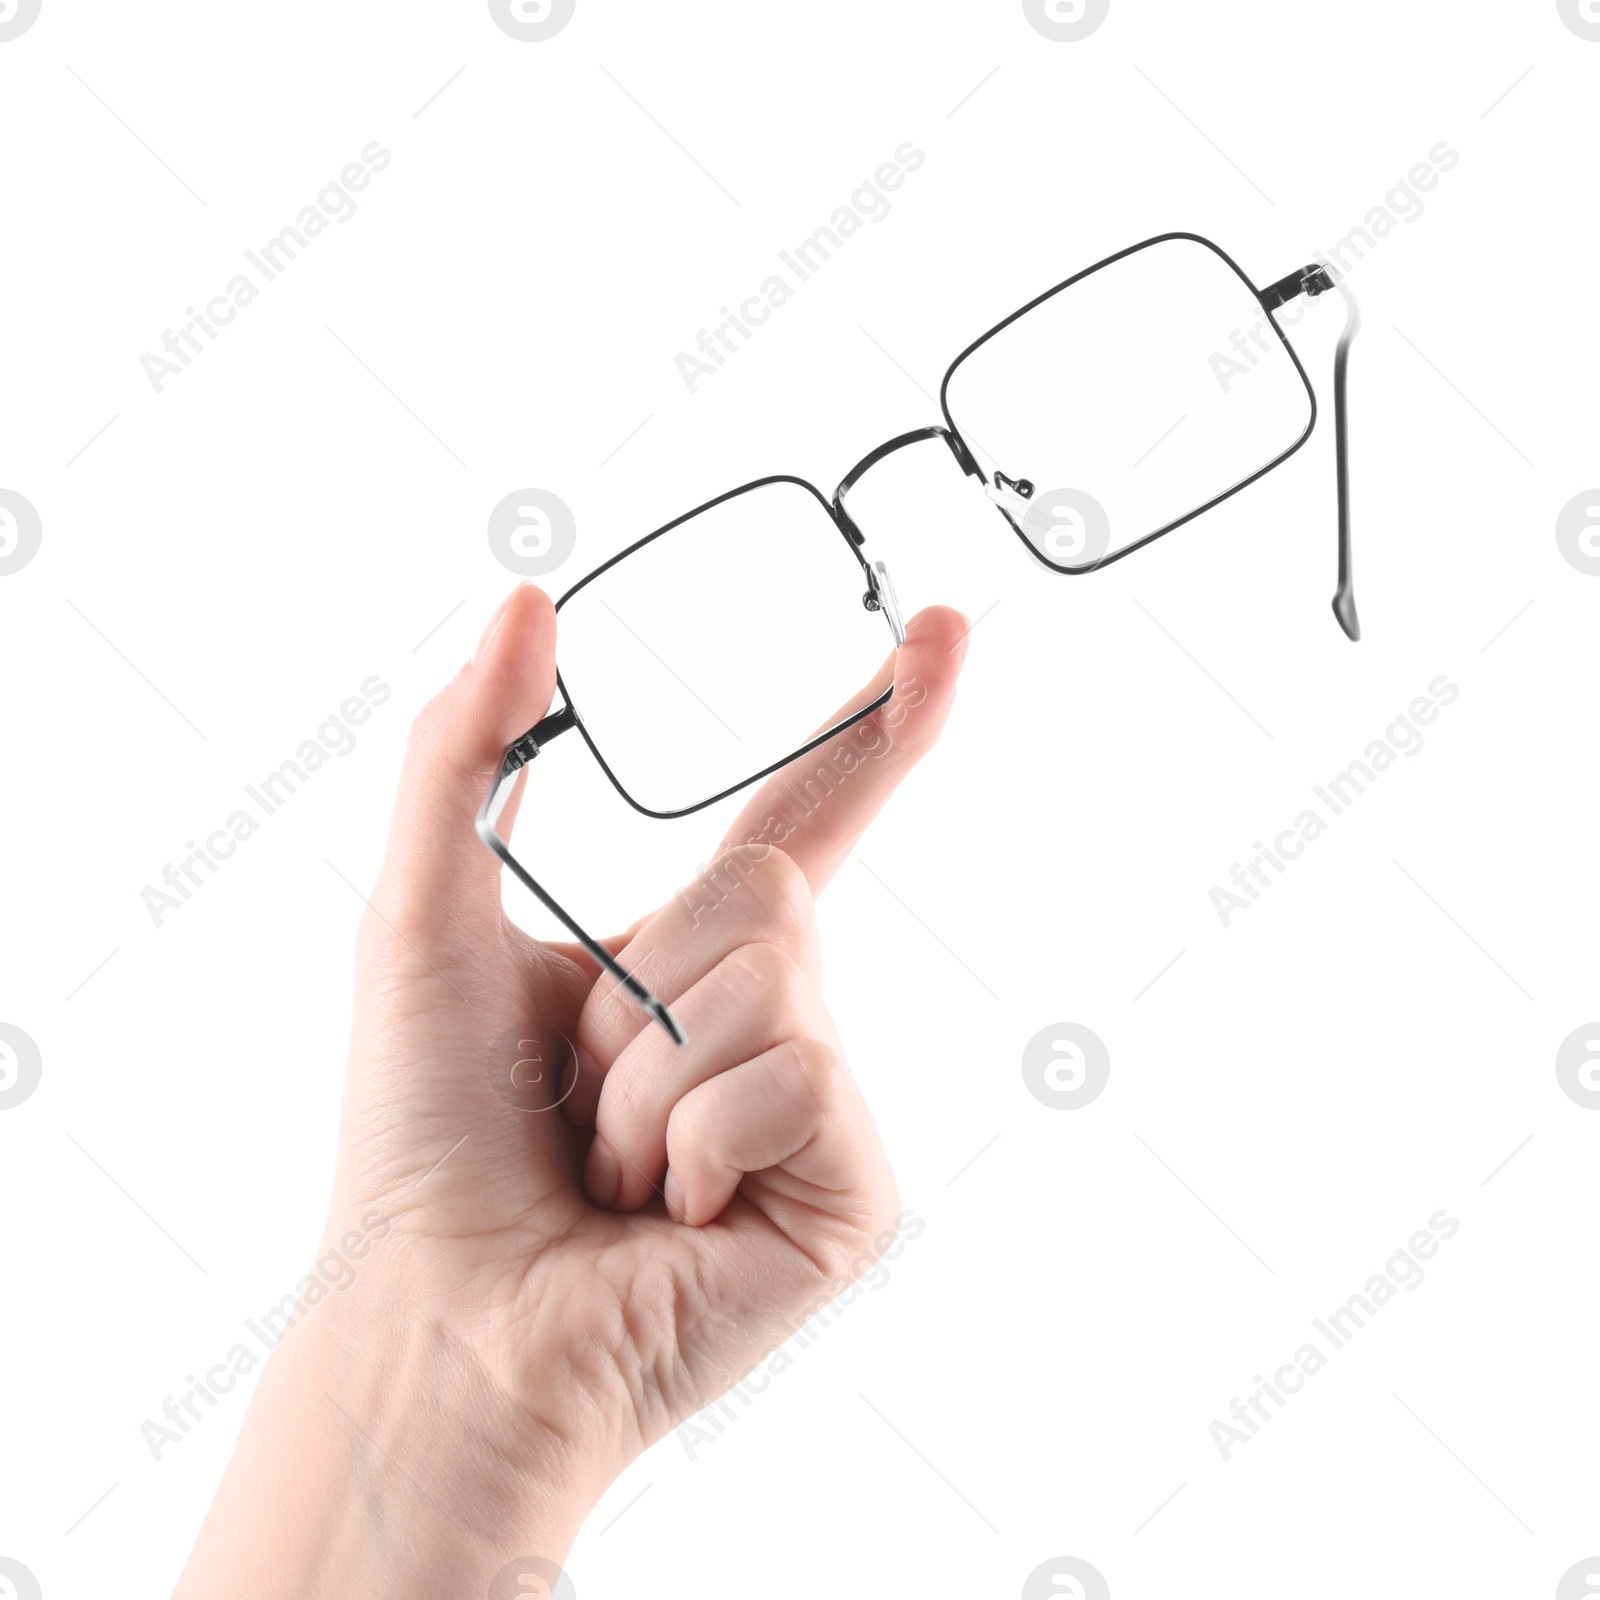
494,626
672,1193
603,1175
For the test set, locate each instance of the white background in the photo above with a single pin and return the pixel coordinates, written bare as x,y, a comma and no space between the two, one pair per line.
1290,1099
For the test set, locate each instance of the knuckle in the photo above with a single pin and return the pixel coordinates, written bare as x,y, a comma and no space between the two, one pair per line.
774,889
780,876
611,1019
812,1073
766,970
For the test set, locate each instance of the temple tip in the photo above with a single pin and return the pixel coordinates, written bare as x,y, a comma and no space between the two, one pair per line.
1344,608
673,1027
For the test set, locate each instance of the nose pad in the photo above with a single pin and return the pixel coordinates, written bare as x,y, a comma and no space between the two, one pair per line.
888,601
1012,495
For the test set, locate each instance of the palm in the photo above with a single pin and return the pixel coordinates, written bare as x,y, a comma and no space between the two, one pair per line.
489,1210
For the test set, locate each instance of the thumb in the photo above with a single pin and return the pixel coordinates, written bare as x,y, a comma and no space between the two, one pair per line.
436,875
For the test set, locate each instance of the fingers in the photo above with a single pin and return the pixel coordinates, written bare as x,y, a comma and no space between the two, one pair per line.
754,1116
759,1104
436,873
817,807
748,895
788,841
755,998
795,1114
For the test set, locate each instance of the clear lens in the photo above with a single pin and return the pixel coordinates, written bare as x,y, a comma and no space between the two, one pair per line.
721,646
1130,399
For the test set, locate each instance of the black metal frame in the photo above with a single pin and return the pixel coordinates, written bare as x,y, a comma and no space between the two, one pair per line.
872,600
1295,284
1314,279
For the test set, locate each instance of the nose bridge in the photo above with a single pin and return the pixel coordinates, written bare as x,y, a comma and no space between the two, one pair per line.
957,448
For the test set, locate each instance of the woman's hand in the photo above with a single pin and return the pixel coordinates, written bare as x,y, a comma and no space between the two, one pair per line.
521,1288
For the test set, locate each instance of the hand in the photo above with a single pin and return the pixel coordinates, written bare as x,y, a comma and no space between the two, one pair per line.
533,1297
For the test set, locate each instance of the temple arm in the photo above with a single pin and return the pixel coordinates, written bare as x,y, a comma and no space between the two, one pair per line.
494,803
1314,280
1344,599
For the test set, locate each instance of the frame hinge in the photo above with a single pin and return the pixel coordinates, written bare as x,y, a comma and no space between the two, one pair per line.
540,734
1310,281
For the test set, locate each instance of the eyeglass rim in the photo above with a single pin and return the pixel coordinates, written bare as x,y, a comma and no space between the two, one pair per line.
794,755
1080,568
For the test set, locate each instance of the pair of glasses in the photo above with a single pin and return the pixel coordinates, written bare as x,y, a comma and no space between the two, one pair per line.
1115,407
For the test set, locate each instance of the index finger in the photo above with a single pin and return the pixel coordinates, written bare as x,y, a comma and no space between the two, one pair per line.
817,807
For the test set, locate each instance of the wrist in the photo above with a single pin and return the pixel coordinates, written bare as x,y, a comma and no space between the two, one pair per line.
379,1458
